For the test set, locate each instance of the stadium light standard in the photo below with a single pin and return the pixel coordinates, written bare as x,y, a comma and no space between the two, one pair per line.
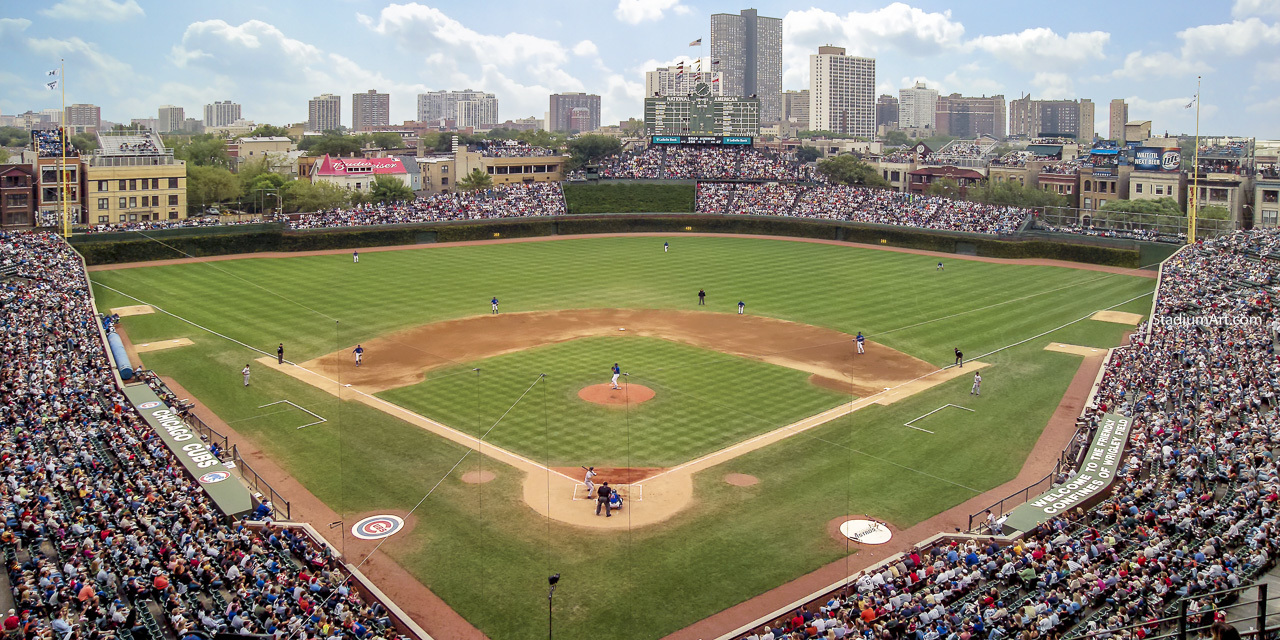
552,580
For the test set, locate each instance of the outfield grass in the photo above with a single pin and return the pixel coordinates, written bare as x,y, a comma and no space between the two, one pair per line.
628,197
486,553
705,401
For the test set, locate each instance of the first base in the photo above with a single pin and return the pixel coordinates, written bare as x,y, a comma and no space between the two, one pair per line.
622,328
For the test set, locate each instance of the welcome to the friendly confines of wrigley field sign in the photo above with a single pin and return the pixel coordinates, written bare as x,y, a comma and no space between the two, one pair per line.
1096,474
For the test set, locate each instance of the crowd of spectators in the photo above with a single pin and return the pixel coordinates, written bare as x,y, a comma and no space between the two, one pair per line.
859,204
104,534
1128,233
971,149
1192,511
702,163
512,149
49,143
151,225
145,146
901,155
506,201
1063,167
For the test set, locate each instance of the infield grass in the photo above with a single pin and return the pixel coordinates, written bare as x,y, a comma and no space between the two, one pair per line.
485,552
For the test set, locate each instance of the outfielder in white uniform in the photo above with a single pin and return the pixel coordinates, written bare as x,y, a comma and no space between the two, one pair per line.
245,373
586,482
977,384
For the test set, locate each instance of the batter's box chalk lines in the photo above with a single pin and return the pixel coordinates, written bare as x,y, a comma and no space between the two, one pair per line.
908,423
318,418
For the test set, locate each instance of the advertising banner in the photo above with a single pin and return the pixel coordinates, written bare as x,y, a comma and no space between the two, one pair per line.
1167,160
1094,477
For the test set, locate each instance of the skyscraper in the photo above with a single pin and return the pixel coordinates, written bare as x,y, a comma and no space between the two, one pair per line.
842,93
370,109
747,49
563,104
795,108
221,114
966,117
80,116
886,111
436,106
169,118
917,106
474,113
1032,118
1119,117
324,113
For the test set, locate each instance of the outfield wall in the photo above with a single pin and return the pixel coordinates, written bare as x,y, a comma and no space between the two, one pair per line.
179,243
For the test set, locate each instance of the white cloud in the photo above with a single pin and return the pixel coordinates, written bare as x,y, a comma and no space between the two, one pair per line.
1268,107
898,27
95,10
1139,65
11,28
619,99
1231,39
1040,48
586,49
1245,8
1053,86
637,11
1169,114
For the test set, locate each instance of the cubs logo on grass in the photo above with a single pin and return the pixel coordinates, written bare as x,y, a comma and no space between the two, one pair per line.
214,476
377,527
149,405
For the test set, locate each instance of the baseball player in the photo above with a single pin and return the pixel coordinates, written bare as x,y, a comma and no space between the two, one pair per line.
616,373
586,481
666,247
359,351
741,307
939,267
861,341
355,257
959,358
493,306
977,384
245,372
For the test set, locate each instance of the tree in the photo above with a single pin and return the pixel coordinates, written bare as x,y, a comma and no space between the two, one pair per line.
387,189
1213,212
476,180
269,131
633,128
946,188
300,195
387,140
896,139
205,150
208,185
808,154
591,148
4,155
14,137
1012,194
257,179
84,142
831,135
849,170
331,144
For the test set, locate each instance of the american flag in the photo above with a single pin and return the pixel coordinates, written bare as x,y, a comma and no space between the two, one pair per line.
696,43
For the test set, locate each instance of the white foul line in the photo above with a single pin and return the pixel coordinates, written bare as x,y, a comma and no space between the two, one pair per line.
908,423
313,414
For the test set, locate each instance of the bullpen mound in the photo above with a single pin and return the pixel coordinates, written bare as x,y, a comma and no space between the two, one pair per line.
608,396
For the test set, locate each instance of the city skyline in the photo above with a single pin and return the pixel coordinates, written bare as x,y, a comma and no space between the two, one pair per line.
192,57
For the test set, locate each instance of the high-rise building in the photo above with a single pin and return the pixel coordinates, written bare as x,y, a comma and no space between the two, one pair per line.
966,117
747,49
886,111
1036,118
436,106
680,80
324,113
795,108
842,93
81,116
917,106
170,118
1119,118
562,105
474,113
221,114
370,109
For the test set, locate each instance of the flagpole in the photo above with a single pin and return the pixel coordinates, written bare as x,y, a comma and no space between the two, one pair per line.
62,178
1195,177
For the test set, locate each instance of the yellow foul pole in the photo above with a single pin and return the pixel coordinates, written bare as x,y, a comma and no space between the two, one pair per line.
1195,177
62,175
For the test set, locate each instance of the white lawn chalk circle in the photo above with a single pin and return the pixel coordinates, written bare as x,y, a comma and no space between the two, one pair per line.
865,531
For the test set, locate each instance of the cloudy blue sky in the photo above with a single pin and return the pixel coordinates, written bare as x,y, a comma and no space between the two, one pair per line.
129,56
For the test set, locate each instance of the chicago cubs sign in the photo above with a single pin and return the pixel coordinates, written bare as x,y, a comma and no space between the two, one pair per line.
214,476
377,527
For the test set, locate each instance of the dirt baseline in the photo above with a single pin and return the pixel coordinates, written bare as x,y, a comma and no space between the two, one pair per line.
404,358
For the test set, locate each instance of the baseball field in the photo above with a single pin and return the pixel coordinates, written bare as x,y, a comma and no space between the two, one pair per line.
737,439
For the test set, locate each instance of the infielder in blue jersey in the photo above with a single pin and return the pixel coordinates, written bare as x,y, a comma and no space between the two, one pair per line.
861,340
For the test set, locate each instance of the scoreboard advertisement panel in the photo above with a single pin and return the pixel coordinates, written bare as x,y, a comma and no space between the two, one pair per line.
723,140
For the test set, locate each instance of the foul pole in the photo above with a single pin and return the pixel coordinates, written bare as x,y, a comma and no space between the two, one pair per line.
62,174
1195,177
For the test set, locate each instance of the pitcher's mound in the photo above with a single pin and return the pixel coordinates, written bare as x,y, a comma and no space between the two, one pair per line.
477,477
607,395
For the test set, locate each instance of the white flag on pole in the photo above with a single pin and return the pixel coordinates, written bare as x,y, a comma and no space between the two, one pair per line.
52,72
52,85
